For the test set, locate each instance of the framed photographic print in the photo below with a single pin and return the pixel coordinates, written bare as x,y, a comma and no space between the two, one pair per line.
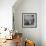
29,20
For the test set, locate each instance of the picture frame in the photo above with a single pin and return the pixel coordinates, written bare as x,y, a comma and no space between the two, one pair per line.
29,20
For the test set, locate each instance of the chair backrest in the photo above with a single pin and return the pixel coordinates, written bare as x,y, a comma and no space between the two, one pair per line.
29,43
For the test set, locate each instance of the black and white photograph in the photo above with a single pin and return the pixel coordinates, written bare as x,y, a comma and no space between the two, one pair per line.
29,20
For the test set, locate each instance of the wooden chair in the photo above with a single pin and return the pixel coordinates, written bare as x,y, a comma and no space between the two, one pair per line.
18,39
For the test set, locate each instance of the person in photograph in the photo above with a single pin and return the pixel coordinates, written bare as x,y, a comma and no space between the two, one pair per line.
29,20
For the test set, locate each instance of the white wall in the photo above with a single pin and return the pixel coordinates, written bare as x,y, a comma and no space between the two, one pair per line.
6,13
28,6
43,22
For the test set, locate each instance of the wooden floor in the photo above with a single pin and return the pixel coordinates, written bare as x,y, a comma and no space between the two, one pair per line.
9,43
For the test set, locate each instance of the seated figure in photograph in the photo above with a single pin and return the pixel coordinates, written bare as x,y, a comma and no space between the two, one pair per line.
29,20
